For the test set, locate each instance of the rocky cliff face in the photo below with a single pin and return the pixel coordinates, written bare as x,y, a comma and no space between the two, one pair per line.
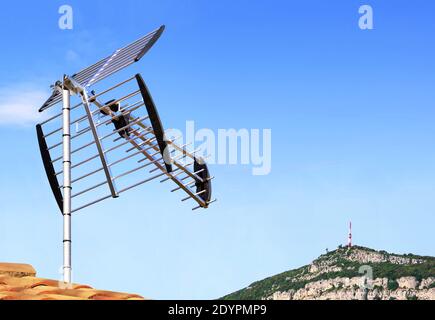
353,289
351,274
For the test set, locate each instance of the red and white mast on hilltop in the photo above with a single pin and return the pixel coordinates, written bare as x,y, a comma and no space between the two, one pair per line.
349,243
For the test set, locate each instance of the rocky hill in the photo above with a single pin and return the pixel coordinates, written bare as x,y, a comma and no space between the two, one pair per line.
355,273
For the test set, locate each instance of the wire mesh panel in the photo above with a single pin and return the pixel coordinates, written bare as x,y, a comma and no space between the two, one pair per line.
120,59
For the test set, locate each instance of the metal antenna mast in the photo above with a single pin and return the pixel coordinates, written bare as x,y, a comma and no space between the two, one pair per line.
66,110
144,144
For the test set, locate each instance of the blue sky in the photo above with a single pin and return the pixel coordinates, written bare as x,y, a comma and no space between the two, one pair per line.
351,114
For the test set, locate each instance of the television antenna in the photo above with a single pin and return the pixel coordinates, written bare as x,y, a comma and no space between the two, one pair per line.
113,126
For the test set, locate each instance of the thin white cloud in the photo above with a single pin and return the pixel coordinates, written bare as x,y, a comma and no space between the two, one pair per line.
19,105
72,56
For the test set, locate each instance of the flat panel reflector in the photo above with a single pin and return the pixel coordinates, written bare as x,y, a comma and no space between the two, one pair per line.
120,59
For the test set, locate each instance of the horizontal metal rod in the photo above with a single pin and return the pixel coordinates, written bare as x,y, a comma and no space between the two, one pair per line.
148,141
128,96
85,116
193,152
155,153
133,108
164,171
105,152
123,128
142,40
186,145
127,157
140,183
89,189
58,115
172,175
98,109
120,63
126,53
91,99
182,149
188,190
149,131
60,129
125,111
84,147
100,124
154,170
199,171
196,194
107,136
87,175
89,75
95,156
134,154
184,185
112,164
151,146
93,142
192,175
106,122
155,148
84,161
123,143
79,164
51,119
178,158
134,170
208,203
53,132
190,183
146,150
83,74
82,119
122,56
83,131
91,203
152,155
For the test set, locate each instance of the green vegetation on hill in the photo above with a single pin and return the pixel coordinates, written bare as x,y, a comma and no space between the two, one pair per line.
298,278
268,286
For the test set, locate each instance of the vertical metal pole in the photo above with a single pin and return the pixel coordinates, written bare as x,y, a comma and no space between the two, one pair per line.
66,111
